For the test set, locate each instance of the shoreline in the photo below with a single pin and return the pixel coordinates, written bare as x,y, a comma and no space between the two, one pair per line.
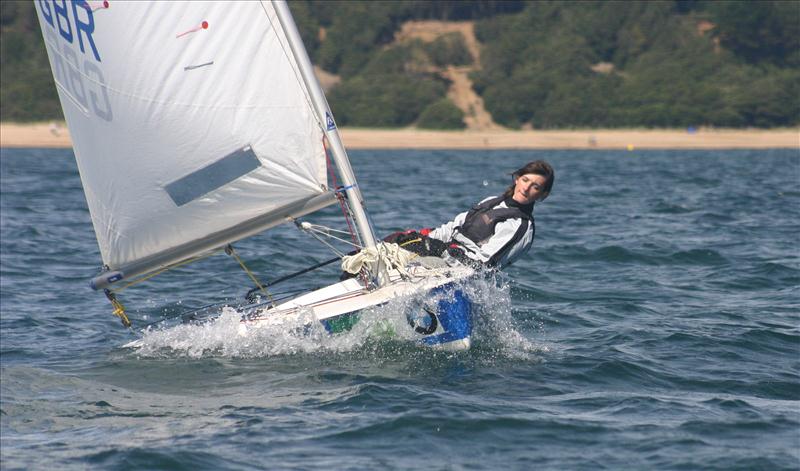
56,135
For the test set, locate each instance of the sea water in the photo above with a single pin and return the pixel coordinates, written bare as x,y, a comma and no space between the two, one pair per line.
654,325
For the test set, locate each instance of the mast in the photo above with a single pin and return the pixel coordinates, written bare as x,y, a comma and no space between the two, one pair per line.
325,116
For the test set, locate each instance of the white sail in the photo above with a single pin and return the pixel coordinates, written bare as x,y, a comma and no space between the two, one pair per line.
189,122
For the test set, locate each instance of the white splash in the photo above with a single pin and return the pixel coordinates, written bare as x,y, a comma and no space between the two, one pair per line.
493,330
493,323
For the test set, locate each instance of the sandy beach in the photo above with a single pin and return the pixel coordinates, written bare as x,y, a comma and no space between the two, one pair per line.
56,134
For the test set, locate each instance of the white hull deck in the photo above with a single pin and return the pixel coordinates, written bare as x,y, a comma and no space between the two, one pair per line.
337,306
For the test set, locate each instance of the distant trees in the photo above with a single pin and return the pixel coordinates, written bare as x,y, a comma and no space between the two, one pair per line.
548,64
759,31
400,84
654,64
395,85
383,100
448,49
27,92
442,115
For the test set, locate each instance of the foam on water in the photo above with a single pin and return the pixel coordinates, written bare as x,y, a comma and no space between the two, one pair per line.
494,329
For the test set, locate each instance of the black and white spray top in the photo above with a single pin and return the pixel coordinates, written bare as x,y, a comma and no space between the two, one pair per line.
511,237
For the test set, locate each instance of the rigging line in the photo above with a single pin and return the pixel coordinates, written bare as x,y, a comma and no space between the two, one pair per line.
340,196
330,246
194,310
230,251
294,67
312,229
342,240
243,309
346,211
352,218
293,275
348,218
319,227
119,309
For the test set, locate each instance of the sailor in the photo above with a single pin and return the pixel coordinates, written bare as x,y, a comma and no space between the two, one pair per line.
495,232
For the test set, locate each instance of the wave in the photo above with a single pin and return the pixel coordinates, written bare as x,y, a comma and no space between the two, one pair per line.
619,254
772,276
666,207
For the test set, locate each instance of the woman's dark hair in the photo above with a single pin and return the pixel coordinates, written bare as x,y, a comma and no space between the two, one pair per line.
537,167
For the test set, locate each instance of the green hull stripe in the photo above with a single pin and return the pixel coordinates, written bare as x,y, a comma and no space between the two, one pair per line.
342,323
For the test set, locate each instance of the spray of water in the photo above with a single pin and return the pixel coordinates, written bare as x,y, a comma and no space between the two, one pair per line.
495,331
381,330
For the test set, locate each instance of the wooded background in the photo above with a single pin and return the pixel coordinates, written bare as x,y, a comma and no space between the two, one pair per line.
558,64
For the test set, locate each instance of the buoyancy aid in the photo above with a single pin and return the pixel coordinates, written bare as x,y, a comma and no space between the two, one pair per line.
479,224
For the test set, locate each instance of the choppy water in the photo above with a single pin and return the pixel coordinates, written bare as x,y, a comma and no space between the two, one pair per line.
656,324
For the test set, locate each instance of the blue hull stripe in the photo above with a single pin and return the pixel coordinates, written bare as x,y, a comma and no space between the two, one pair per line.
454,316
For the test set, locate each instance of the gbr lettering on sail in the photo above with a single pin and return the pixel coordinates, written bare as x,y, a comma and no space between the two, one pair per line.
74,55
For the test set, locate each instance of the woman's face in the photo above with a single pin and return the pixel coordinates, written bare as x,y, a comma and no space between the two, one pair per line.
528,188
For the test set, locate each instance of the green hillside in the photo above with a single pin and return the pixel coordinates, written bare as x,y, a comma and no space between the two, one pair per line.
542,64
729,64
27,90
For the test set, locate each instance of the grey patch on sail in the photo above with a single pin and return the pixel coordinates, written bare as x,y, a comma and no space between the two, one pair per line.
192,67
213,176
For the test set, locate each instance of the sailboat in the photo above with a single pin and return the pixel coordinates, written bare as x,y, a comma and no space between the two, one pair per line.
198,124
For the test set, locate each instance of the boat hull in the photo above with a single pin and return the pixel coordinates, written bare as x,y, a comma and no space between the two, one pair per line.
443,319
